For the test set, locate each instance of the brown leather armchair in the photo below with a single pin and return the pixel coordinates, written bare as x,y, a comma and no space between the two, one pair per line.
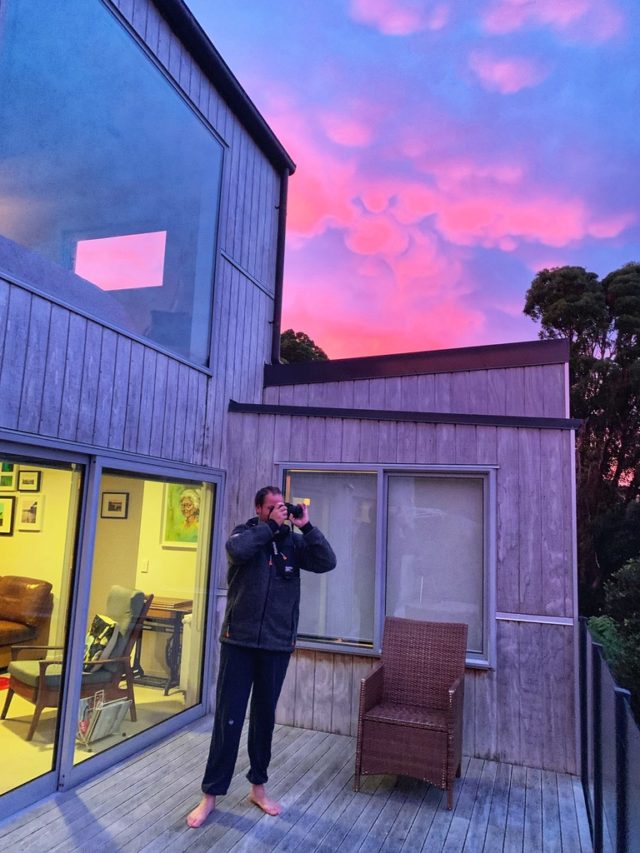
25,613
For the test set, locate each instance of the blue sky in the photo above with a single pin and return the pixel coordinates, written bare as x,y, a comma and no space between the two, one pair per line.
446,151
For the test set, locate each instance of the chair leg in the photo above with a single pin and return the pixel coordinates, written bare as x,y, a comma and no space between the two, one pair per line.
356,782
34,721
132,707
450,796
7,703
459,771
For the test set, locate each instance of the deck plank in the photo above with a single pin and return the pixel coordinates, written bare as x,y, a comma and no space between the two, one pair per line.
140,806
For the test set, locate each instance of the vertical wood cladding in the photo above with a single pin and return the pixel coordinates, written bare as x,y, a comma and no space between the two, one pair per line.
523,710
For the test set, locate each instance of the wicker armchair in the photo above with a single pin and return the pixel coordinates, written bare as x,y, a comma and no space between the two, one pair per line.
410,719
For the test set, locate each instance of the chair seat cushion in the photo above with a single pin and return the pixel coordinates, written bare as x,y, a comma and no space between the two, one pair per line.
408,715
28,672
14,632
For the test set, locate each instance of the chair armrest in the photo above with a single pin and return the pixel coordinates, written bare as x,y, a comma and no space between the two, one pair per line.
15,650
371,689
101,661
46,663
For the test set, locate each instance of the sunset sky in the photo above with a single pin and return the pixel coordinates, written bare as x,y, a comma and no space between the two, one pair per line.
446,151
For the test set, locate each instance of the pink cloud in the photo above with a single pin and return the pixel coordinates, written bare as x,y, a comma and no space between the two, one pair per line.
372,235
612,226
382,320
596,20
400,17
347,131
507,74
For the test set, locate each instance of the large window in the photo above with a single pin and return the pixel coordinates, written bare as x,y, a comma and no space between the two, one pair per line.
339,606
416,544
105,171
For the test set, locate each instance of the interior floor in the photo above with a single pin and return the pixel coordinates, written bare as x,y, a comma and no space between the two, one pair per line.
23,761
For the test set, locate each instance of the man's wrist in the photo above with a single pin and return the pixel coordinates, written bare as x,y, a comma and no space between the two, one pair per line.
275,528
306,527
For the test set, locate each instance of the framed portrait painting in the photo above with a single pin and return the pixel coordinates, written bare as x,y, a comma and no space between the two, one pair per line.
7,508
180,516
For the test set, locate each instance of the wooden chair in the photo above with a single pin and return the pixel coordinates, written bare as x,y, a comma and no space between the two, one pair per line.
39,680
410,718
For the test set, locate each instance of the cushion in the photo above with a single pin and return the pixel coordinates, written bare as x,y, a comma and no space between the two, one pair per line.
124,605
25,600
14,632
408,715
100,640
28,672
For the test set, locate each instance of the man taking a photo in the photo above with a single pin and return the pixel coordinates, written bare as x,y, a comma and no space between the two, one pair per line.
258,635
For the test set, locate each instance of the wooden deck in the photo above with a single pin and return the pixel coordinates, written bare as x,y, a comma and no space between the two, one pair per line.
141,805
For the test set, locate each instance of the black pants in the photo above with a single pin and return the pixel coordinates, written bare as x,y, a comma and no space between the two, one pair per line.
241,669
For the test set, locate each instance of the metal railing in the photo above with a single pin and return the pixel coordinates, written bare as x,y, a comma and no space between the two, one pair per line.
610,753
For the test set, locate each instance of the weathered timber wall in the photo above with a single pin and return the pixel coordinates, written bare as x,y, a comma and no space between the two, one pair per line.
523,710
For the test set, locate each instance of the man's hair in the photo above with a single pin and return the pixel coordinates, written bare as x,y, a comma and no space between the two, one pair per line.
264,491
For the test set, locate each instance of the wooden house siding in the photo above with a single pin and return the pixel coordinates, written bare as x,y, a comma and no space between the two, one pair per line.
522,710
518,391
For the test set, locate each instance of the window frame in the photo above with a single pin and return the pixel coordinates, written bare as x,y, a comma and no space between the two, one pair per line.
488,473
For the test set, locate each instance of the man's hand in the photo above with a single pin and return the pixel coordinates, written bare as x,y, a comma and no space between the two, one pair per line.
279,514
304,518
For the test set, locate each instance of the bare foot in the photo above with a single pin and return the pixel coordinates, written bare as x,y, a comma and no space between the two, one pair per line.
202,811
259,798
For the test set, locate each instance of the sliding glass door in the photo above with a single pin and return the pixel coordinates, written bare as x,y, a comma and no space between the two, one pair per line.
104,581
145,621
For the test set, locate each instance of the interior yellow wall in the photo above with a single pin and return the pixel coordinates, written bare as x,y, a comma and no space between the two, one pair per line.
41,554
116,548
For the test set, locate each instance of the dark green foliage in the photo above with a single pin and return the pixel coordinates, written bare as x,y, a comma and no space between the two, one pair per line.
616,536
298,346
619,630
601,319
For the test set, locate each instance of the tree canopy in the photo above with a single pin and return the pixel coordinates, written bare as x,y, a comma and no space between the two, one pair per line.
298,346
601,319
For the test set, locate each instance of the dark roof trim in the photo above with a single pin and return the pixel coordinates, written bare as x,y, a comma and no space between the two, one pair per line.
184,24
415,417
524,354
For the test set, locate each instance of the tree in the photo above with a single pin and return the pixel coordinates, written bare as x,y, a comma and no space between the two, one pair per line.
298,346
601,319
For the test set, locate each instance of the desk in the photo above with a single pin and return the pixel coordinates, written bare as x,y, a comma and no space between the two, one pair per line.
165,617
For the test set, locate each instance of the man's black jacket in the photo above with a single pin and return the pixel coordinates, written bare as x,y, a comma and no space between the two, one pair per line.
264,582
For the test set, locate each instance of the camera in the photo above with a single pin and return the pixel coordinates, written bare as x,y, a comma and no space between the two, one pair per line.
295,510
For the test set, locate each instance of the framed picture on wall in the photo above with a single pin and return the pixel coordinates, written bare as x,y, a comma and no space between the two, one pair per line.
8,475
29,481
7,506
29,513
180,516
114,505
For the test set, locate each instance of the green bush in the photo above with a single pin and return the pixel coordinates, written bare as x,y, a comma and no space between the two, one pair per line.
618,629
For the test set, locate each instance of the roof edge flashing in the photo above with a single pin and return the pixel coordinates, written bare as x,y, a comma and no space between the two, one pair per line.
488,357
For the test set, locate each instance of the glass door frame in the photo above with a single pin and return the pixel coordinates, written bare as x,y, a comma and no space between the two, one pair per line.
71,775
63,774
